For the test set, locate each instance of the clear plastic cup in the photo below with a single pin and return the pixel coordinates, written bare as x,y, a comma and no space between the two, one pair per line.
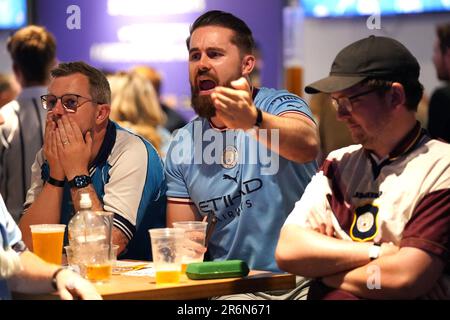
194,241
167,251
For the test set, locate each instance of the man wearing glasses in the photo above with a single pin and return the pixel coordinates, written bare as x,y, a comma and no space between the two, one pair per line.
84,151
374,222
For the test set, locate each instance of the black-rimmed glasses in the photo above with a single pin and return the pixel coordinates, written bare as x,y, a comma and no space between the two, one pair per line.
346,102
71,102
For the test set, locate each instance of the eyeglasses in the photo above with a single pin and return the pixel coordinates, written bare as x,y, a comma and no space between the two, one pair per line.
345,103
70,102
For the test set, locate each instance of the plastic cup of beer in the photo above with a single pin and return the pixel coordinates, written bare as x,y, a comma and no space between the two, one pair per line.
113,254
48,241
193,243
98,263
167,251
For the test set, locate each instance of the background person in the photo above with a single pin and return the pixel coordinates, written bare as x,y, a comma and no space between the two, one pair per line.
439,108
33,53
173,119
9,89
135,106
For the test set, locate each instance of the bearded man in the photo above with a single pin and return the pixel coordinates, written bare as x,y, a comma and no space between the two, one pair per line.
249,155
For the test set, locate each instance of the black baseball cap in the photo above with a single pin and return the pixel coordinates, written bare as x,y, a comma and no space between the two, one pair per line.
372,57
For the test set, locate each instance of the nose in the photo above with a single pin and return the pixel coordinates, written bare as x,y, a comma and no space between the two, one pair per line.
59,108
342,114
203,63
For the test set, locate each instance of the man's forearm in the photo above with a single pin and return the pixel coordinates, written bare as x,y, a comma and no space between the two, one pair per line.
35,276
294,138
407,274
308,253
45,209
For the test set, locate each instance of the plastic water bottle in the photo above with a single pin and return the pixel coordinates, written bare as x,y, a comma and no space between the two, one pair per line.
86,227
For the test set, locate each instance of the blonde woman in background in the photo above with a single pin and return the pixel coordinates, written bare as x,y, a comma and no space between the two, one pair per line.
135,106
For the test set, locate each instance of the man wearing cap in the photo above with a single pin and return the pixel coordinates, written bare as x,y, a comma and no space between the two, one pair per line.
374,222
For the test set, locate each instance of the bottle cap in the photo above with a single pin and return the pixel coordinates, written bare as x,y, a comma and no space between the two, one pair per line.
85,201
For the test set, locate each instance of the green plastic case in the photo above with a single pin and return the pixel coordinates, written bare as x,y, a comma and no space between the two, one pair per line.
217,269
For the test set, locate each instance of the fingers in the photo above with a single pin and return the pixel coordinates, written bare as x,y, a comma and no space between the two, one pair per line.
241,84
88,139
313,222
61,138
69,131
233,94
329,226
194,247
321,225
221,99
222,106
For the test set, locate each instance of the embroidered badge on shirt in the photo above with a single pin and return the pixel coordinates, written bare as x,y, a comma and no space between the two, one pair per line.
229,157
364,226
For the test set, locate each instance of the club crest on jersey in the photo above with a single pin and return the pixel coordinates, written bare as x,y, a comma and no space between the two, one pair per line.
364,226
229,157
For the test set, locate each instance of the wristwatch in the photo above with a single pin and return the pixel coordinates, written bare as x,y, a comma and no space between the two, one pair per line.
80,181
259,118
54,276
374,251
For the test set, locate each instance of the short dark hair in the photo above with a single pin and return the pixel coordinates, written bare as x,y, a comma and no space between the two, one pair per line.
412,87
242,38
98,84
443,34
33,51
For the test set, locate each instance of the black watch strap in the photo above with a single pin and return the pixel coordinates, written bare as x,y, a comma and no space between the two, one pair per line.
259,117
54,280
56,183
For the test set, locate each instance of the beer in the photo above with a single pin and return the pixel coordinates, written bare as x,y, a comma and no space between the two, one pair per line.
293,76
48,242
167,276
98,272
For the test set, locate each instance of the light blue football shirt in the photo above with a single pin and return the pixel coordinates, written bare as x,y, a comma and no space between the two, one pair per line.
250,189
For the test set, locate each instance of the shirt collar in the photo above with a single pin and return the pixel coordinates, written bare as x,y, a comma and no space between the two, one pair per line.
108,143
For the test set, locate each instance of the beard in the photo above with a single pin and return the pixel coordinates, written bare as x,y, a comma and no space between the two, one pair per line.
202,104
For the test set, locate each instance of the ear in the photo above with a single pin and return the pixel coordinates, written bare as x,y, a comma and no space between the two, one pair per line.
248,63
102,113
397,96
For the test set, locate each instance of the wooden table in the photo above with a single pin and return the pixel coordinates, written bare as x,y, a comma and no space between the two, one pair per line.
144,288
122,287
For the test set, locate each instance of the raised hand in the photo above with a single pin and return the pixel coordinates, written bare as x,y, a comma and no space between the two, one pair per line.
234,106
50,149
74,150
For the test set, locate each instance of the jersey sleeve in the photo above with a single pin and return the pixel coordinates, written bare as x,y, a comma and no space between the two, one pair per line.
37,183
429,227
284,102
136,180
177,190
314,201
13,233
